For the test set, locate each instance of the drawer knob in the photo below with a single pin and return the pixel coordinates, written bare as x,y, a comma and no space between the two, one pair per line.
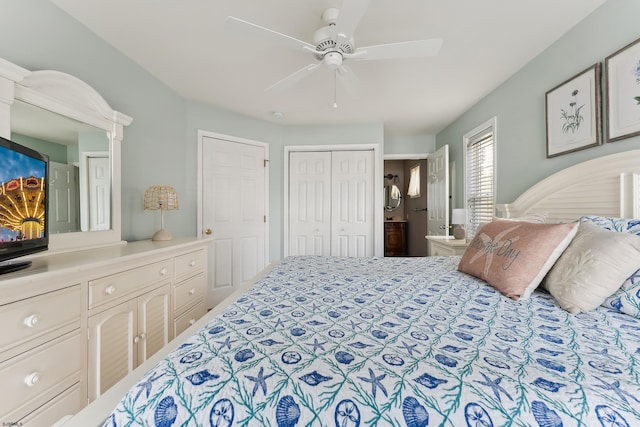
192,321
110,290
31,321
31,379
192,263
139,338
163,271
192,291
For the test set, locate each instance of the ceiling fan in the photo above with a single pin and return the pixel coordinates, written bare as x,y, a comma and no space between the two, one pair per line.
333,45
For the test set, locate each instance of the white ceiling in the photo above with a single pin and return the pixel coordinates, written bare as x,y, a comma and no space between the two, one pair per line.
184,45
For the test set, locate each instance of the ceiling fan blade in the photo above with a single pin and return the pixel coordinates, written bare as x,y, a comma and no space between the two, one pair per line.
256,31
410,49
351,12
293,78
348,79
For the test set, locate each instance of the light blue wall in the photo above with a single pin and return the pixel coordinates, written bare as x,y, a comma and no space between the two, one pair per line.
56,152
519,103
409,144
36,35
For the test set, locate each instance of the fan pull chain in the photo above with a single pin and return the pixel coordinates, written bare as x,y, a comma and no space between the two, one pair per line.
335,91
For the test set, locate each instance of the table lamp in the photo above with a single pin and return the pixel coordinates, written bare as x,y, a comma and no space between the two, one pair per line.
162,198
459,217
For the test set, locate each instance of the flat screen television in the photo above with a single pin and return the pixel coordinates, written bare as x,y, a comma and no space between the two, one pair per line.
24,186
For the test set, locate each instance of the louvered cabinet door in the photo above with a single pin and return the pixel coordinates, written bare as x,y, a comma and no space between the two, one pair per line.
112,351
154,311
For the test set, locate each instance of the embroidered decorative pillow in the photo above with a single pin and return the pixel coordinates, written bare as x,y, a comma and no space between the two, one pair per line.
594,266
514,256
627,298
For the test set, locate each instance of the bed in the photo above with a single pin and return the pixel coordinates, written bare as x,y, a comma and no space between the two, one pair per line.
403,341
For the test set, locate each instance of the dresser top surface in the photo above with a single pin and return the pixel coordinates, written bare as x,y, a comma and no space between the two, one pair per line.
59,270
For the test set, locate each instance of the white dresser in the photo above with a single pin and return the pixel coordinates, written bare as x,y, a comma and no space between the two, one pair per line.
76,323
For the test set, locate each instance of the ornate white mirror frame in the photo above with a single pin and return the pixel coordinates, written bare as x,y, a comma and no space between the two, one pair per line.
68,96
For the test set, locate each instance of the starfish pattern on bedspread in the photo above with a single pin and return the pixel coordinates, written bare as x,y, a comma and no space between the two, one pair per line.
325,341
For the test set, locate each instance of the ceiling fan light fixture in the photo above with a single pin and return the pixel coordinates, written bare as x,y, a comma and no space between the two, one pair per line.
333,60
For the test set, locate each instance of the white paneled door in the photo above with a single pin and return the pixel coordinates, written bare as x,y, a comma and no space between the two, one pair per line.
331,200
233,212
310,203
352,203
99,169
63,198
438,192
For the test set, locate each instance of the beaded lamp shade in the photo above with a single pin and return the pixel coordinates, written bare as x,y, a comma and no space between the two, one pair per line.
162,198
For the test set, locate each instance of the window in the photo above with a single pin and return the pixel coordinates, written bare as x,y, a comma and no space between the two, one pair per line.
480,186
414,182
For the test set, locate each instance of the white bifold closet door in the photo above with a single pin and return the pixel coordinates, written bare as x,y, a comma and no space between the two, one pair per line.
331,203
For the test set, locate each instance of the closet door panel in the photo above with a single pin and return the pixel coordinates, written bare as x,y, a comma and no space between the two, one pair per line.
352,203
309,203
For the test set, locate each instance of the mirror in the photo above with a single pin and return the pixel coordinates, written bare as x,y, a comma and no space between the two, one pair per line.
392,197
50,100
79,169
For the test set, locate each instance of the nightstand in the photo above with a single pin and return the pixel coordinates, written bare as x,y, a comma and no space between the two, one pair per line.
446,246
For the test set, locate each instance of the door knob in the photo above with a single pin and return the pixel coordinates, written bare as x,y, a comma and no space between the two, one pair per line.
208,231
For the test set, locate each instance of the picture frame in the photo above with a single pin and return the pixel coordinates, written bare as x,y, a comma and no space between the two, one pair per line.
573,113
623,92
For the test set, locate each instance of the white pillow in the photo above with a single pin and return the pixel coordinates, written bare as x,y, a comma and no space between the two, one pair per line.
593,267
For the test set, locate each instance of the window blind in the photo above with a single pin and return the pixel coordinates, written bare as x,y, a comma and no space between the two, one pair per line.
480,189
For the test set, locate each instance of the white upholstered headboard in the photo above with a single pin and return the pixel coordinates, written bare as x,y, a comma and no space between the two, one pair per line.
606,186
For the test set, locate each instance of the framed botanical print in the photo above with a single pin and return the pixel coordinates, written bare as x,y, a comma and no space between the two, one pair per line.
623,92
573,110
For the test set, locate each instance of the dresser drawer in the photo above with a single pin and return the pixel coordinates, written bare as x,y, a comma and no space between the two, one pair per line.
38,375
67,403
181,323
110,288
188,292
39,316
190,264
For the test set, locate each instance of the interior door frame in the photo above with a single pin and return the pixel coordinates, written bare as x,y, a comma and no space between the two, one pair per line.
411,156
378,196
199,185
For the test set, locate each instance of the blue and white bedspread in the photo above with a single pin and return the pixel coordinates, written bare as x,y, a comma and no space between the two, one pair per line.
324,341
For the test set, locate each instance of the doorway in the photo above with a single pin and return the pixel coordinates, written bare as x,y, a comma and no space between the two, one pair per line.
423,216
405,223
